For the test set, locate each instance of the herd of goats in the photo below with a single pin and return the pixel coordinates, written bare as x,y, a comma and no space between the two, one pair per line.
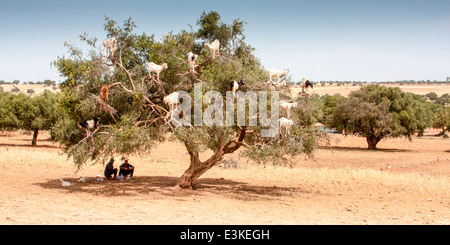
173,99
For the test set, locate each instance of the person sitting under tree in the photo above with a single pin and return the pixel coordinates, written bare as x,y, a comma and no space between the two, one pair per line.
110,170
126,169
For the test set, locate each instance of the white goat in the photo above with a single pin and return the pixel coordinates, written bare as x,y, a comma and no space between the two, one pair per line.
286,106
285,123
191,58
213,47
64,183
152,67
110,44
272,72
172,100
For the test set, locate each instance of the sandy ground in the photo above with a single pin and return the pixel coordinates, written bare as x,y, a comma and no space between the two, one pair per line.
406,182
345,90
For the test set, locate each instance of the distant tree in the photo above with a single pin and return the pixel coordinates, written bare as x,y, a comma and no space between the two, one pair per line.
49,82
431,96
442,119
23,112
443,99
15,90
2,82
8,117
30,91
15,82
376,112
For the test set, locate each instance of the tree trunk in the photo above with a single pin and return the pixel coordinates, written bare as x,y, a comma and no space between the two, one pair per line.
197,168
372,141
35,134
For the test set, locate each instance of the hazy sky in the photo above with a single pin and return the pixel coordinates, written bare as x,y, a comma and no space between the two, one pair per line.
322,40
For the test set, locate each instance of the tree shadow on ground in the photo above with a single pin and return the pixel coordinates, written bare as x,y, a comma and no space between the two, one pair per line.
165,186
29,145
346,148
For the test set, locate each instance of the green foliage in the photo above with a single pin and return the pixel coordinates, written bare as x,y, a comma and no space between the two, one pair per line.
211,28
308,112
8,117
443,100
23,112
278,150
442,119
377,111
329,105
138,123
431,95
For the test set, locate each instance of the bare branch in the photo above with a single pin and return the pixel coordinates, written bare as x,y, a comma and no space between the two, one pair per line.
121,85
178,58
119,64
105,107
89,135
237,143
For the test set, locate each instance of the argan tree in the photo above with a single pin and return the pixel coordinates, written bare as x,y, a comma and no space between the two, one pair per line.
376,112
441,119
135,117
28,113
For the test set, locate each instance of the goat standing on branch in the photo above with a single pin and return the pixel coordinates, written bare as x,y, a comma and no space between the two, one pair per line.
172,100
110,44
191,58
305,84
286,106
285,123
104,93
89,125
213,47
152,67
272,72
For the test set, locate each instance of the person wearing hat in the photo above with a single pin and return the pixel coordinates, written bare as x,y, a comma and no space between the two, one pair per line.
110,170
126,169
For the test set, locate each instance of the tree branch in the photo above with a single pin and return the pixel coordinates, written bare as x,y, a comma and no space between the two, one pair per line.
120,64
123,87
237,143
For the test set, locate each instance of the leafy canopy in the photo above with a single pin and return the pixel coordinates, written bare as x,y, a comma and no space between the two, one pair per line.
376,112
135,117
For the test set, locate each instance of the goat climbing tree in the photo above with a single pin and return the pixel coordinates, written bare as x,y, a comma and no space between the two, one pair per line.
135,117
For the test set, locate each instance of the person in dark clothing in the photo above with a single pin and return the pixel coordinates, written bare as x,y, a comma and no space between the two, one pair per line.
126,169
110,170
